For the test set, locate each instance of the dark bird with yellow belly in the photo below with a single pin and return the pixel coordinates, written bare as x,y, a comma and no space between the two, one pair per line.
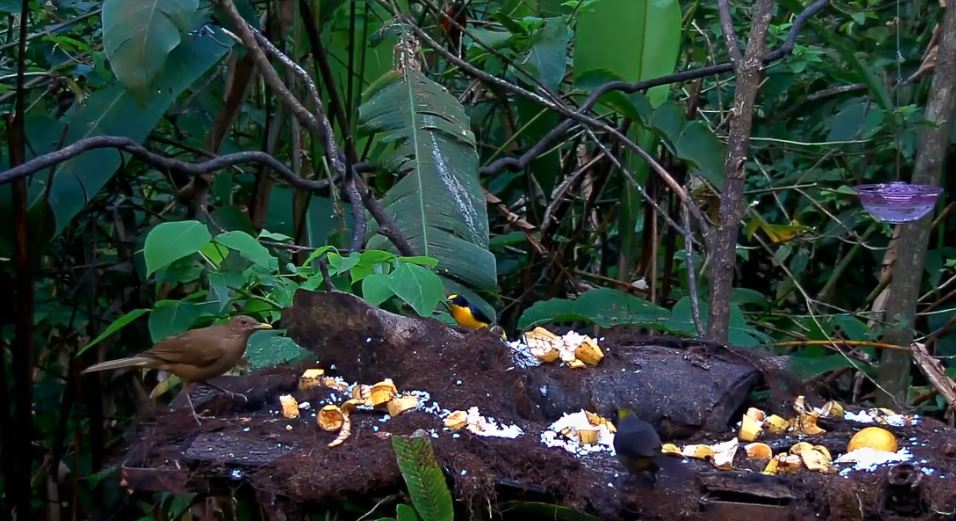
467,314
194,356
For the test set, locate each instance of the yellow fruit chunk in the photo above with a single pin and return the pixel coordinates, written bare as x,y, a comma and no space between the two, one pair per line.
756,413
750,428
330,418
588,436
776,424
698,452
382,392
400,404
671,449
290,407
456,420
311,378
758,451
589,352
876,438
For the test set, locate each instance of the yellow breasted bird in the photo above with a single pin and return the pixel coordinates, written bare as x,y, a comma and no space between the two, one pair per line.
637,444
467,314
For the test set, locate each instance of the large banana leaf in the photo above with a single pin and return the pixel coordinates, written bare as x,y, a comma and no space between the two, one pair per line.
437,204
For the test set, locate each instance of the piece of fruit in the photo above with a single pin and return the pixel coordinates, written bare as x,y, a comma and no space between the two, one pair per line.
311,378
290,407
588,352
776,424
330,418
750,428
876,438
400,404
758,451
382,392
456,420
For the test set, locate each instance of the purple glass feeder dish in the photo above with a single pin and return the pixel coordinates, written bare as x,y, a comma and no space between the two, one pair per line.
897,202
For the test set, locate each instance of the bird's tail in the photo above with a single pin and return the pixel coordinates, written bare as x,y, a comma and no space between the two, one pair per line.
133,361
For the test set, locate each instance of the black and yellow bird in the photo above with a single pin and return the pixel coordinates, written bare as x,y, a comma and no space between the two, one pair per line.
636,442
467,314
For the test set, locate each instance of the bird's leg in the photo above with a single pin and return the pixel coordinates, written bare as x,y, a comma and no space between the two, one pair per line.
227,392
189,400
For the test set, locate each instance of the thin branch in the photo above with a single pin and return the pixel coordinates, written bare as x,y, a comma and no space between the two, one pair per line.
126,144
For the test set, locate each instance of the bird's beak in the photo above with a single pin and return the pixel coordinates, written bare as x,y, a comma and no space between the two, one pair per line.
263,325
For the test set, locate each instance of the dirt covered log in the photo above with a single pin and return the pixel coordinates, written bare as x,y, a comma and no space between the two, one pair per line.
684,387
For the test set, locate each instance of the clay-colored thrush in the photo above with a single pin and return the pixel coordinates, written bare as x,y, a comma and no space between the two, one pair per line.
194,356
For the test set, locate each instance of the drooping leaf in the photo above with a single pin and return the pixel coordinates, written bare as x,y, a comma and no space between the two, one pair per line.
549,52
138,36
438,204
114,111
168,242
248,247
423,477
115,326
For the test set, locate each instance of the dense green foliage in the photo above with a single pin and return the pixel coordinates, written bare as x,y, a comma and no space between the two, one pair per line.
125,250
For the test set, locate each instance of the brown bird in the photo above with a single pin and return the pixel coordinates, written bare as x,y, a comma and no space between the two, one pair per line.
194,356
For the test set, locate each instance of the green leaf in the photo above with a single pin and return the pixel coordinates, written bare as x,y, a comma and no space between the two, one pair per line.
171,317
419,287
268,349
371,261
376,289
222,284
115,326
114,111
10,6
138,36
605,307
248,247
423,477
171,241
633,39
437,204
548,56
405,512
342,263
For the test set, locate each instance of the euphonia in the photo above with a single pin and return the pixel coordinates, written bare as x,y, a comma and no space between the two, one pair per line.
637,444
466,314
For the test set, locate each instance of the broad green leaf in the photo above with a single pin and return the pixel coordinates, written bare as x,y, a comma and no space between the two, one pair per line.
633,39
114,111
438,204
171,317
605,307
115,326
138,36
376,289
423,477
168,242
214,253
268,349
698,145
342,263
248,247
405,512
371,261
548,56
419,287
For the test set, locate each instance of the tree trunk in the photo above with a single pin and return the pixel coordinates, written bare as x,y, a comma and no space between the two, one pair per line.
908,273
747,69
